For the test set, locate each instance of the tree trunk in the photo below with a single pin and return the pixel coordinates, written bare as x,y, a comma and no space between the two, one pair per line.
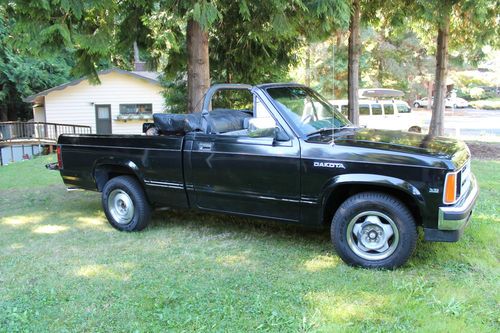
308,66
333,68
3,112
137,57
437,120
429,95
353,65
198,65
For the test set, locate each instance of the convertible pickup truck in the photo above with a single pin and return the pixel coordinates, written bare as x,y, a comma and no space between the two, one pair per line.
282,152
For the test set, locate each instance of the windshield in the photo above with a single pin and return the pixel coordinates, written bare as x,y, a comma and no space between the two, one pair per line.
308,111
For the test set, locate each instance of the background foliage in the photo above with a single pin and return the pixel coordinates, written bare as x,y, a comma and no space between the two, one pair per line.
45,43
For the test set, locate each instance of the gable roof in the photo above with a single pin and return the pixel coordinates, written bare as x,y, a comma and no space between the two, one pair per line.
153,77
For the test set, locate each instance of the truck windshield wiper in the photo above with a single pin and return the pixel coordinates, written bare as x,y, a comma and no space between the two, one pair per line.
320,131
348,127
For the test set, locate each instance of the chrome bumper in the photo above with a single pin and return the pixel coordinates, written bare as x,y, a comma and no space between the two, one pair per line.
457,216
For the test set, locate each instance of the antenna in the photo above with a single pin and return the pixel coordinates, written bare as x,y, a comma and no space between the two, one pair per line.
332,121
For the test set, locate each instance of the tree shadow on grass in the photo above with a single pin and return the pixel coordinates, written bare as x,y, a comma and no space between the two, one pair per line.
188,269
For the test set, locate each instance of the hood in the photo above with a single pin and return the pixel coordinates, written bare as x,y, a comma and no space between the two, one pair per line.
450,149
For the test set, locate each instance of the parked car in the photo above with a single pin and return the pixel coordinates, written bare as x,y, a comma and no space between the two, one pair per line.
373,107
383,114
455,103
288,156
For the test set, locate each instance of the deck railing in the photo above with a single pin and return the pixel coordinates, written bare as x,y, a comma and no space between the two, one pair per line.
15,131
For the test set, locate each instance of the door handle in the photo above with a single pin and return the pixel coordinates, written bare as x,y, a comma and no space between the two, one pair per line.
205,146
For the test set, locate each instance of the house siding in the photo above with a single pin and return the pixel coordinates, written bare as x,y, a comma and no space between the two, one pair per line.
76,104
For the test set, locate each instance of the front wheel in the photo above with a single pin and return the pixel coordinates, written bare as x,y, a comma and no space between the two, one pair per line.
374,230
125,204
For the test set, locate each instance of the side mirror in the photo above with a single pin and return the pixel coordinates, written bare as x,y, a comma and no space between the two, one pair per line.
262,128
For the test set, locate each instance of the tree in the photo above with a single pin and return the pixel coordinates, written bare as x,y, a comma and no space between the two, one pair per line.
87,29
199,16
353,64
459,23
249,39
22,75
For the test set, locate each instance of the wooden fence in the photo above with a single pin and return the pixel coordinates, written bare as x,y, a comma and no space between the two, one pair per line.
36,132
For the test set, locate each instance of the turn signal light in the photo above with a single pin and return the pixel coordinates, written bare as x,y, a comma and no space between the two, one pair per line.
450,188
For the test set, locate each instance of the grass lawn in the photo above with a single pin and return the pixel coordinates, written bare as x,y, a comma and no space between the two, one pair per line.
488,104
63,268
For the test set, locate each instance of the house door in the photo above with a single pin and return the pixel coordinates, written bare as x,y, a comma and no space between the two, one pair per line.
103,119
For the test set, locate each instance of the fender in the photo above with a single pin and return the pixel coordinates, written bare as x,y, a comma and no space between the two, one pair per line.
372,179
121,162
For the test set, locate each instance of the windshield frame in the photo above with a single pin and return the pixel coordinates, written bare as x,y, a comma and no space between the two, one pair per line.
297,130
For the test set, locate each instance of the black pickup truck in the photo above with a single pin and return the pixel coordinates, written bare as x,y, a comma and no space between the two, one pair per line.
282,153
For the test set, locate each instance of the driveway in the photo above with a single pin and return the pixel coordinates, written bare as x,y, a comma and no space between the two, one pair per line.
467,124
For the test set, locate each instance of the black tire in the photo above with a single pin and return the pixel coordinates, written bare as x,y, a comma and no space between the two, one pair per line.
132,196
416,105
391,213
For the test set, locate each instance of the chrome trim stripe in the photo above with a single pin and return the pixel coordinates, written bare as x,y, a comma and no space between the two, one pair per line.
277,199
248,214
252,196
120,147
164,184
245,154
367,162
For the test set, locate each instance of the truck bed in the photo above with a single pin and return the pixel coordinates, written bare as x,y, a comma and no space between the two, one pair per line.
157,160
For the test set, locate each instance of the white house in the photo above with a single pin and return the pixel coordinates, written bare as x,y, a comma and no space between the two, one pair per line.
119,105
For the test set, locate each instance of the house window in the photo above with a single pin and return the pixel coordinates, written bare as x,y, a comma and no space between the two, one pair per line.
130,109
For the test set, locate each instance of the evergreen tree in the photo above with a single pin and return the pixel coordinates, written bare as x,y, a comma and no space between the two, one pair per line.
22,75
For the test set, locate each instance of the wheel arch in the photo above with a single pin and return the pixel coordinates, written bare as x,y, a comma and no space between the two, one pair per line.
339,188
107,168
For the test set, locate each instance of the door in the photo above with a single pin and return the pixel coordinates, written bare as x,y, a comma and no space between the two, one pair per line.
103,119
236,173
249,176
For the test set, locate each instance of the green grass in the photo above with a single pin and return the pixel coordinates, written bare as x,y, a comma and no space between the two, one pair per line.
487,104
63,268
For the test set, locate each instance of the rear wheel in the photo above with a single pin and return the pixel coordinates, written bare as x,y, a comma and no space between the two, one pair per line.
125,204
416,105
374,230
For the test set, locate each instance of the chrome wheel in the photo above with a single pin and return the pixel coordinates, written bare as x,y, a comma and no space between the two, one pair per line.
372,235
121,206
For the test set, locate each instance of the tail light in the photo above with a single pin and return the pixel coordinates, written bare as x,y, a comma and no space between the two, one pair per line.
59,158
450,188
